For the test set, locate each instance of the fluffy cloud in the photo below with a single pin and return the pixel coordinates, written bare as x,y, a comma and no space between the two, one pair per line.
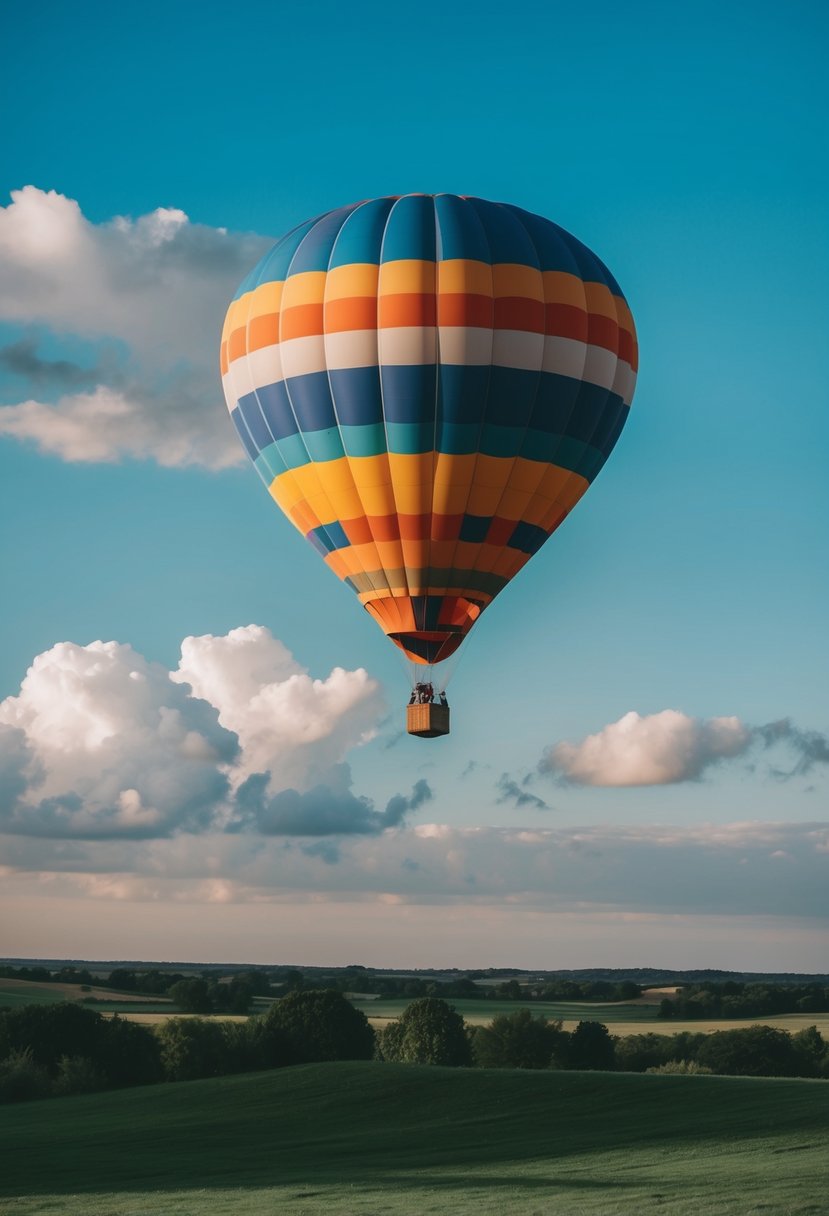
289,725
669,747
101,744
115,748
658,749
153,291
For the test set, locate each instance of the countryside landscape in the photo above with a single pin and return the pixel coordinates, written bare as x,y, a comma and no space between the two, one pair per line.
414,521
587,1092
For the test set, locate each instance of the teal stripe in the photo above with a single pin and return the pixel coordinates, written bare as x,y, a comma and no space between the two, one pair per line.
269,463
409,438
368,440
324,445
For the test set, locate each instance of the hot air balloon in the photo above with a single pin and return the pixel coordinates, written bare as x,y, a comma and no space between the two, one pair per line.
427,385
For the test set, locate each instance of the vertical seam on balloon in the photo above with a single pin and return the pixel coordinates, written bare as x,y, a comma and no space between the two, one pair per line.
435,282
598,269
568,481
383,394
259,280
380,569
485,404
529,416
311,461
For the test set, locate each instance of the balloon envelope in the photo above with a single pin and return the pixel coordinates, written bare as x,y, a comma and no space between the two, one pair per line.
428,385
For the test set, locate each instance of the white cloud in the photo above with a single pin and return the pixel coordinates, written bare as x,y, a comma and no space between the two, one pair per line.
289,725
157,287
100,743
657,749
670,747
115,747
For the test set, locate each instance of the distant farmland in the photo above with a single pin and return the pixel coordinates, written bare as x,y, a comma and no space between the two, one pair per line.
631,1017
357,1139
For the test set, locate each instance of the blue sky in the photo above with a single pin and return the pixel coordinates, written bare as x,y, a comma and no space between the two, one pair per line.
689,151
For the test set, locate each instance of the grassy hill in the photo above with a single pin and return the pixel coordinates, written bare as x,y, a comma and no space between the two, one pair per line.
395,1139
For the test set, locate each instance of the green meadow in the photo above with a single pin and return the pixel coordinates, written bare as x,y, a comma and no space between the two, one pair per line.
374,1139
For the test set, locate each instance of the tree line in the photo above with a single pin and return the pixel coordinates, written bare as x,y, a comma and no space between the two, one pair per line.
65,1048
733,999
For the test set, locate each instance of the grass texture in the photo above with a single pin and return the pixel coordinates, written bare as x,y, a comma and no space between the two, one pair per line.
372,1139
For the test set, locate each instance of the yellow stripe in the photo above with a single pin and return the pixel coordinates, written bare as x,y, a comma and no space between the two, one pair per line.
601,300
563,288
511,279
305,288
265,300
357,279
407,275
465,275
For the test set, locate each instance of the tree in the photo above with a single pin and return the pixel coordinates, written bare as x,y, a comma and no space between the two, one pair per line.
812,1052
429,1031
591,1047
516,1040
318,1024
50,1032
129,1054
756,1051
192,1048
191,996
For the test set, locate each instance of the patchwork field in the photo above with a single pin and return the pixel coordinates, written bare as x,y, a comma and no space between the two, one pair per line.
24,992
368,1138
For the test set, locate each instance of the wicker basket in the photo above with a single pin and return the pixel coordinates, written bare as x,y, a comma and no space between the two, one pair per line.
427,721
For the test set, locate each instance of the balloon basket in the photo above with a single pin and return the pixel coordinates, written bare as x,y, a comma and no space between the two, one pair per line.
427,721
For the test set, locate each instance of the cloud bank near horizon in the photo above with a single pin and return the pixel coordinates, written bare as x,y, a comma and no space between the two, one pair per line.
671,747
134,308
736,869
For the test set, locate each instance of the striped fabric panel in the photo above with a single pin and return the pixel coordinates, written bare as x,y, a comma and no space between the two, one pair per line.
427,386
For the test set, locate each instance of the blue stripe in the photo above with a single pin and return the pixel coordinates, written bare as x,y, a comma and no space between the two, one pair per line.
409,393
328,538
270,403
311,398
474,528
249,410
410,229
361,235
460,231
315,249
506,236
527,537
357,396
243,432
461,391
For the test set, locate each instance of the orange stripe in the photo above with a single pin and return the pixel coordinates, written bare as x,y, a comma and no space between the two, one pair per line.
301,321
406,308
468,310
356,312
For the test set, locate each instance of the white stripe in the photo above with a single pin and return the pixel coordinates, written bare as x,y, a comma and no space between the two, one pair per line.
467,346
413,345
301,356
517,348
352,348
407,345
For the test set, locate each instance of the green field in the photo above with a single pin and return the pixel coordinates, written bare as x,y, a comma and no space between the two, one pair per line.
401,1140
